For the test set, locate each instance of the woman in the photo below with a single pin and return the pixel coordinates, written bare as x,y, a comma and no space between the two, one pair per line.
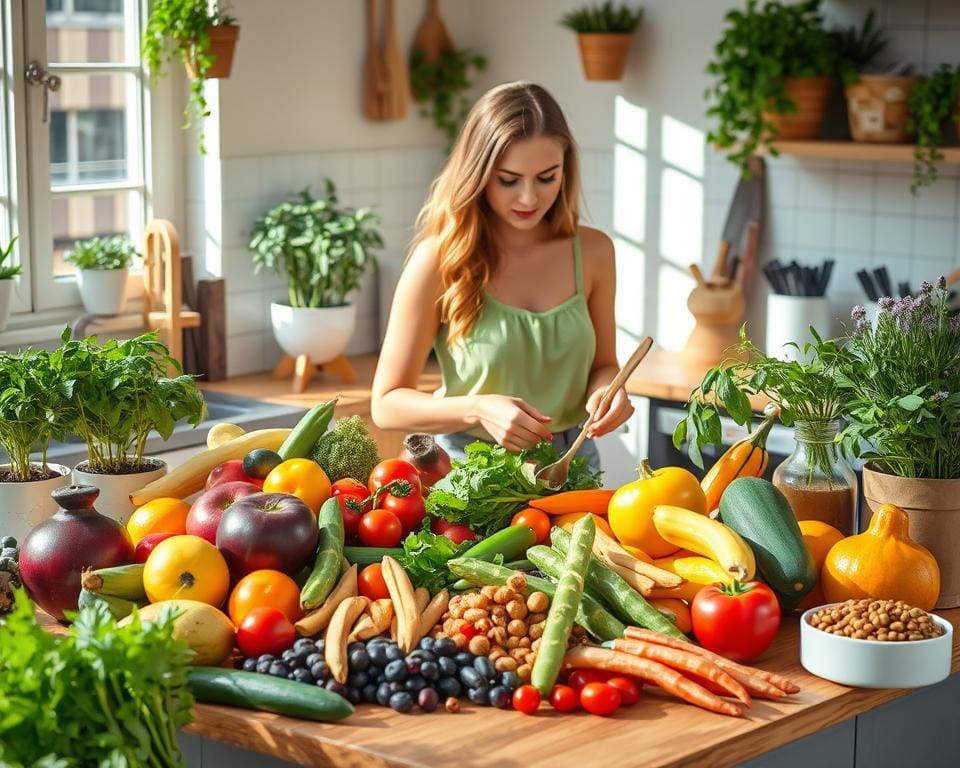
513,295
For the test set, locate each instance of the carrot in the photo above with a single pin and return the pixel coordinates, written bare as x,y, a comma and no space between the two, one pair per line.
649,671
778,681
683,662
594,501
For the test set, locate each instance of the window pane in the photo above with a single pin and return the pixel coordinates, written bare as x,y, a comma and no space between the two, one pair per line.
98,6
89,135
88,32
54,5
79,217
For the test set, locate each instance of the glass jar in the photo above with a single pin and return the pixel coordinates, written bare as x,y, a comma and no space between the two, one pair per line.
816,478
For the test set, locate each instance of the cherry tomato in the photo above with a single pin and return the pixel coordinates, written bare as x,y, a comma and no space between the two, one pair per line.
629,689
380,528
526,699
600,699
538,521
564,699
370,583
351,517
389,470
736,620
581,677
456,533
409,510
349,485
265,630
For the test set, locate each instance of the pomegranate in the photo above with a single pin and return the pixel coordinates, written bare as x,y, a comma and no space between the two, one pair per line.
76,537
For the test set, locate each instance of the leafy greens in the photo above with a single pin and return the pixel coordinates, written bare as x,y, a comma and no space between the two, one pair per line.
425,556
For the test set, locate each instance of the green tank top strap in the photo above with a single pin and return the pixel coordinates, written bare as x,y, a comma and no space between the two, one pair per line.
577,264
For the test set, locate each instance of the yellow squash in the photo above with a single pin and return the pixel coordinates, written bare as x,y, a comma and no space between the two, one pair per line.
745,458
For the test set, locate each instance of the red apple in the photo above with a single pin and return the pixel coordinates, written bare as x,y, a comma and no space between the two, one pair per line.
204,516
230,472
456,533
146,544
267,530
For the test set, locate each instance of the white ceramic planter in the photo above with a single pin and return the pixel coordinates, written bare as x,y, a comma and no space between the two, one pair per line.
24,505
6,301
789,319
115,490
103,291
320,334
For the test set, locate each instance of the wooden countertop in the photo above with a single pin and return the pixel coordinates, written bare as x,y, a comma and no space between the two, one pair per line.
658,731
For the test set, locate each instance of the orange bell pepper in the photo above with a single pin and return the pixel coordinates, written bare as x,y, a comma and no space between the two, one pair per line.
303,478
745,458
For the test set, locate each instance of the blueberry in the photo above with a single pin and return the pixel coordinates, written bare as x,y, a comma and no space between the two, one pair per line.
449,686
509,680
444,647
430,670
302,654
427,643
485,667
288,655
263,665
302,676
249,665
320,646
499,697
268,657
393,652
378,640
375,673
320,670
358,679
358,657
312,659
415,683
278,669
395,686
413,665
378,654
471,678
395,670
383,694
369,693
464,659
354,695
304,642
401,702
448,667
479,695
428,699
335,687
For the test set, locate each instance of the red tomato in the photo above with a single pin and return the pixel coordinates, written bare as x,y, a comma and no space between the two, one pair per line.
526,699
370,583
349,485
629,689
564,699
380,528
458,534
389,470
581,677
737,620
538,521
600,699
351,518
265,630
409,510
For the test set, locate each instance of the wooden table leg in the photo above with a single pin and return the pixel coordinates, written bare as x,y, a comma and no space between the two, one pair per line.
342,368
284,369
304,372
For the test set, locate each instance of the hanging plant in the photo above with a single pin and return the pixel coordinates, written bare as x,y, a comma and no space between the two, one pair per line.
441,88
932,103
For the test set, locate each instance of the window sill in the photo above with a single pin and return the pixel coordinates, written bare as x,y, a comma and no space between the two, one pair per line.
43,329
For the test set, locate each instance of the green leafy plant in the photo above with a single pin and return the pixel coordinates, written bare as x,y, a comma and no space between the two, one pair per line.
441,88
34,409
425,556
12,270
758,49
119,392
603,18
933,102
857,49
185,23
115,252
323,249
102,695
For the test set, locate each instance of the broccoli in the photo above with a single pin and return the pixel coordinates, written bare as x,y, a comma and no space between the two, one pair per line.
348,450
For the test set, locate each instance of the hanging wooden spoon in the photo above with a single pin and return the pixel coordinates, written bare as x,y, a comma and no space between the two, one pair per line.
432,37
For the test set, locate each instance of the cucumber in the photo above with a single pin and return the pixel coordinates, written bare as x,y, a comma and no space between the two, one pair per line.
761,514
307,431
326,568
249,690
369,555
512,543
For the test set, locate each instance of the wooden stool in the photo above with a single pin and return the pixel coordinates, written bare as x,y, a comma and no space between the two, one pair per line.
303,369
162,287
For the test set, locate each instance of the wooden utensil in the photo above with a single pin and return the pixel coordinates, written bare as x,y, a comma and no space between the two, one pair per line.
432,37
397,95
374,77
746,206
555,475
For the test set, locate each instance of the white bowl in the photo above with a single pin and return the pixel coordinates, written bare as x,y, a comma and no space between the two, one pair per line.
875,663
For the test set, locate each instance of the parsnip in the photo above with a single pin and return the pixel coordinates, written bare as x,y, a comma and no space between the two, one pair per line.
316,621
335,641
404,603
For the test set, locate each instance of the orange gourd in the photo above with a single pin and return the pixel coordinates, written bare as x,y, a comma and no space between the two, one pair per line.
819,538
883,562
745,458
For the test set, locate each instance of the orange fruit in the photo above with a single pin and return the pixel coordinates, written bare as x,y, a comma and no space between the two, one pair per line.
819,537
163,515
186,568
265,588
678,608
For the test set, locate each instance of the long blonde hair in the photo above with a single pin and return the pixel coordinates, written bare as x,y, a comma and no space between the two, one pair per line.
456,212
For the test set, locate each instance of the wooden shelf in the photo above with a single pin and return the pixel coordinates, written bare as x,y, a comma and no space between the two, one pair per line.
853,150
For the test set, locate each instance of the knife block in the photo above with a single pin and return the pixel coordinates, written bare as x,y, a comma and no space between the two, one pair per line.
719,313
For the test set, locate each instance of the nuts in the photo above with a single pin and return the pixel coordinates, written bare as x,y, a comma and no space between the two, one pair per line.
505,664
475,614
884,620
517,628
524,671
538,602
479,645
504,595
517,582
517,609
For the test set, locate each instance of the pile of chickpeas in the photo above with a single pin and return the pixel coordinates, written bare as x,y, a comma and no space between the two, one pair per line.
887,620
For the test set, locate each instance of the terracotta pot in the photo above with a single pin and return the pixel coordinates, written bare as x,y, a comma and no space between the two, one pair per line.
604,55
810,94
223,41
878,106
933,507
114,500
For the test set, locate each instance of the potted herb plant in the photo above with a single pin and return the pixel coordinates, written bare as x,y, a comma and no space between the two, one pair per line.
119,393
772,68
102,265
604,35
933,104
324,250
33,407
7,274
441,87
203,34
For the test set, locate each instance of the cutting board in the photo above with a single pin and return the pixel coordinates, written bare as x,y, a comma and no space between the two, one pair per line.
432,37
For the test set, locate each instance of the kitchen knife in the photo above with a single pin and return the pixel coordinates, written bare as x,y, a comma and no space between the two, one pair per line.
867,284
882,278
746,207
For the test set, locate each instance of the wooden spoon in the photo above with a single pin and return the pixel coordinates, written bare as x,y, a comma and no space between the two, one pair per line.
432,37
555,475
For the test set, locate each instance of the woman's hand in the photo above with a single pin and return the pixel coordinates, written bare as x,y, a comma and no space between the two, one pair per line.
619,410
510,421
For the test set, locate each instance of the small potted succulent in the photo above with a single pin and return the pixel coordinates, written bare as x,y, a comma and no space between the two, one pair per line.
7,274
933,107
323,250
102,264
604,36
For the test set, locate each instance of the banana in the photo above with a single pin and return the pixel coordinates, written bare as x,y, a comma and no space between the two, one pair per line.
223,432
711,538
123,581
701,570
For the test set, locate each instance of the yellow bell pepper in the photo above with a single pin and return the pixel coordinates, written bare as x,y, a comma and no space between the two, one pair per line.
303,478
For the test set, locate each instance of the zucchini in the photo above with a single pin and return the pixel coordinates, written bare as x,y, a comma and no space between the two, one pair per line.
761,514
327,566
307,431
236,688
363,556
119,607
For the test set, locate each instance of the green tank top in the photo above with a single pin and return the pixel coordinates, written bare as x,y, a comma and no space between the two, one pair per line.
543,358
